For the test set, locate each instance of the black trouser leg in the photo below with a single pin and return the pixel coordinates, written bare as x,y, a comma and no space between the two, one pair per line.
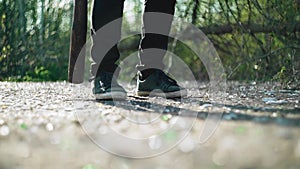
104,12
155,23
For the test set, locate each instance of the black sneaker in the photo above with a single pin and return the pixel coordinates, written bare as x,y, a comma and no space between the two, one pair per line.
106,87
159,84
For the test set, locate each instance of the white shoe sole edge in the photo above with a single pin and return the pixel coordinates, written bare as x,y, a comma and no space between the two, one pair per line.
111,96
177,94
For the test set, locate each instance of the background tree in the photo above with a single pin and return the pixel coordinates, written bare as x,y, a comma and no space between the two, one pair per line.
255,39
34,39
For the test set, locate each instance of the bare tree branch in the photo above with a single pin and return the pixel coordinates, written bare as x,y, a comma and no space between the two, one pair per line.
252,28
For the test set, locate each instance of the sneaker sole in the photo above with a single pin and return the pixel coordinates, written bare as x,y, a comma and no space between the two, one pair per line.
177,94
111,96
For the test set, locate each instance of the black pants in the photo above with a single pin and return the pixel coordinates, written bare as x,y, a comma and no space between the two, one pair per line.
106,11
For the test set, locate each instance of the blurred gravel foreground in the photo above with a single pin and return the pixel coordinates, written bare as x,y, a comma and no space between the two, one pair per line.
41,128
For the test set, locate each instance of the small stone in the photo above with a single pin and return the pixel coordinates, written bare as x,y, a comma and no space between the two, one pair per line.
1,122
49,127
268,99
187,145
243,95
4,130
274,115
205,106
274,101
154,142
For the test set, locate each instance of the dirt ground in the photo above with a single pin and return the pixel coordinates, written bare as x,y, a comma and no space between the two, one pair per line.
60,125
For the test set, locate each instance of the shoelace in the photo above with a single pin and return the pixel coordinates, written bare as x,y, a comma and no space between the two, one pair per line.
109,80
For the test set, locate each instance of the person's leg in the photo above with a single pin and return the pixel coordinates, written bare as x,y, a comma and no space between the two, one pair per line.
107,24
105,12
149,56
154,44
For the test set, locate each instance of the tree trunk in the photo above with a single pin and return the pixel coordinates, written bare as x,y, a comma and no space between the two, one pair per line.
78,40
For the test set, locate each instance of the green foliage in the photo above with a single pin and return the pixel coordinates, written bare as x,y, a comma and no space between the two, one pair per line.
264,38
36,74
34,40
263,44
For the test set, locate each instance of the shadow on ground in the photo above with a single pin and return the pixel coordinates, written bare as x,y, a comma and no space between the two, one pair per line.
263,115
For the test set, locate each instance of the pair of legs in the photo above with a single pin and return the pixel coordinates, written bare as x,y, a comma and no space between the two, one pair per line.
107,22
107,11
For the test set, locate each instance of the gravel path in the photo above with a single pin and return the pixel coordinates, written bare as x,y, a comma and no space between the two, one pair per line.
60,125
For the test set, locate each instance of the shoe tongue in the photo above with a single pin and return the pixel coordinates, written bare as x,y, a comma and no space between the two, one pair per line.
146,73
